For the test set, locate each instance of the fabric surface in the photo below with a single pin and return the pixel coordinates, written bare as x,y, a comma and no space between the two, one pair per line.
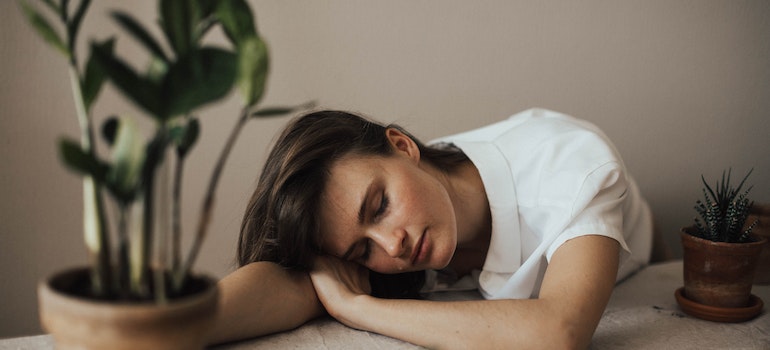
643,314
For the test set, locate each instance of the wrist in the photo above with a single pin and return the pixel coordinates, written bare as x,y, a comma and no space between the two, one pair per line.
353,312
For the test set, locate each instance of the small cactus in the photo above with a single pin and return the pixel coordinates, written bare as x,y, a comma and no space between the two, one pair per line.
723,212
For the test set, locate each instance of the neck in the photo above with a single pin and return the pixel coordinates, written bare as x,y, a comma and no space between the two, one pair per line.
472,214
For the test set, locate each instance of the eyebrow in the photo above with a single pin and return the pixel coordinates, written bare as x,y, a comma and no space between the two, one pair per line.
361,217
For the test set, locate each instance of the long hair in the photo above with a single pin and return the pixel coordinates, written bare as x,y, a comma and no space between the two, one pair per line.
281,223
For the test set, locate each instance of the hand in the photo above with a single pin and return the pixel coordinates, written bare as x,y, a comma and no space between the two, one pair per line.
337,283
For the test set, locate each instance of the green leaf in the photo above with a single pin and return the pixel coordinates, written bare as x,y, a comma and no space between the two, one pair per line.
184,137
73,27
208,20
740,185
154,154
143,92
204,26
237,20
140,34
94,76
110,130
207,7
81,161
44,29
253,67
156,70
198,78
272,112
178,20
253,62
124,176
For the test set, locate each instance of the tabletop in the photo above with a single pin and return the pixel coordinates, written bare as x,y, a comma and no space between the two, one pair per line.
642,314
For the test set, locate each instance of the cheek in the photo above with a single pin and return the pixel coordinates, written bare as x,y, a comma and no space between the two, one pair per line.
377,264
428,192
418,199
382,264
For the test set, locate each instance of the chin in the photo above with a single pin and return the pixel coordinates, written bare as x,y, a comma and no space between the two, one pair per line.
443,260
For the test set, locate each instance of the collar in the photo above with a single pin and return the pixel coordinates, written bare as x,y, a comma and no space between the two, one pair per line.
504,255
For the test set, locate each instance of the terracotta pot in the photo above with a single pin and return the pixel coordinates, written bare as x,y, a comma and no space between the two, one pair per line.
761,212
717,273
80,323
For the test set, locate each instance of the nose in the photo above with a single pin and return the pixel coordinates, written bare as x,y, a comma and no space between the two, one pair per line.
392,241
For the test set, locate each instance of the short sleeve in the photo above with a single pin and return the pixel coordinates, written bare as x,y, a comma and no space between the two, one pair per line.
598,208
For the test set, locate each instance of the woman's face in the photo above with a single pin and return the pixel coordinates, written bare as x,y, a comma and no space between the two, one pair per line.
388,213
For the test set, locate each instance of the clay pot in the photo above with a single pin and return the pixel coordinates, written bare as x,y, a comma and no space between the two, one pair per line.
76,322
761,212
719,274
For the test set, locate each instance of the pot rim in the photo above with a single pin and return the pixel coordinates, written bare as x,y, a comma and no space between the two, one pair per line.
46,290
684,232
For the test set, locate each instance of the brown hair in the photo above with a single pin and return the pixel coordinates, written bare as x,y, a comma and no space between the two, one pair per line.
281,222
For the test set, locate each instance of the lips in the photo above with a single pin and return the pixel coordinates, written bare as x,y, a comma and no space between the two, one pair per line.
418,253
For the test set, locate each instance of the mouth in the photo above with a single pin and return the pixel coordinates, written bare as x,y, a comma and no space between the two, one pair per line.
418,253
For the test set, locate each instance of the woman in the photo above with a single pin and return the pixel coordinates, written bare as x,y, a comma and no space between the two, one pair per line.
538,209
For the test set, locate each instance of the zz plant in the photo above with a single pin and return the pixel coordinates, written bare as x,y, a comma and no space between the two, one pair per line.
723,212
180,78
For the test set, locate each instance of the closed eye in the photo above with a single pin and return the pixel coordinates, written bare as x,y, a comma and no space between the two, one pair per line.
378,214
383,206
367,250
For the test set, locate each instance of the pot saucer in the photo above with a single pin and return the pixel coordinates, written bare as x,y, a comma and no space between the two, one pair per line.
719,314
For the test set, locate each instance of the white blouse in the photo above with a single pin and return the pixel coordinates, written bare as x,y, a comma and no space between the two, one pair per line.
549,178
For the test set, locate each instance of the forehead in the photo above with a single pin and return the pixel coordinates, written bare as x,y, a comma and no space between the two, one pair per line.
353,161
349,180
352,167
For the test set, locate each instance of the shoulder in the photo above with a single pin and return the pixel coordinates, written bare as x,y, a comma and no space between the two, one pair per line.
542,139
532,126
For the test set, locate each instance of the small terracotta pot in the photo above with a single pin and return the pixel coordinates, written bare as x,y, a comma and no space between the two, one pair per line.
717,273
80,323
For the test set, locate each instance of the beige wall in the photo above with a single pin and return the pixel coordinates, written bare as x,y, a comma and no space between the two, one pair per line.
683,87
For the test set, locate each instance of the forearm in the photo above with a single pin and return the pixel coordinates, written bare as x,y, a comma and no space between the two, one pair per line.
524,324
565,315
263,298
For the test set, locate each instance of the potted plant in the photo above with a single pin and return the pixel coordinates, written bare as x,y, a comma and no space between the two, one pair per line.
720,255
138,291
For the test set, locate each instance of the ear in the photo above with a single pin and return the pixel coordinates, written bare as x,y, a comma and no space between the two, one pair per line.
403,144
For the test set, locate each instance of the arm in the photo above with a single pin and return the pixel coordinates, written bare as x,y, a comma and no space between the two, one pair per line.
262,298
574,293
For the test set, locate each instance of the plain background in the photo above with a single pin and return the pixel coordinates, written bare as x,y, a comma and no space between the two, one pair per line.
682,87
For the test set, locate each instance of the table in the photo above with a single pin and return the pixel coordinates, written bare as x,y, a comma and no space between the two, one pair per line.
642,314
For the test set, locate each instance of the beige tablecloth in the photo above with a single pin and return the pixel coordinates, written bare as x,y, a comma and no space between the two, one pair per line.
642,314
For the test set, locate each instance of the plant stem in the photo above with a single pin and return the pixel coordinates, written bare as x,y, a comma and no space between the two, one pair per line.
122,263
142,265
176,225
95,230
208,202
161,240
135,269
154,157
